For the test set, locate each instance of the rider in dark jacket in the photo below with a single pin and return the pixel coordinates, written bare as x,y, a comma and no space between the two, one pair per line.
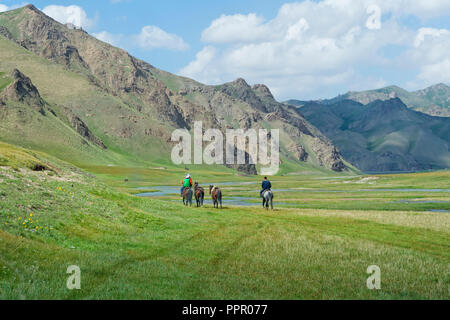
266,185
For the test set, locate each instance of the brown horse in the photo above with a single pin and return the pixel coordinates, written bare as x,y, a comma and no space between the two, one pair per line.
199,193
216,196
187,196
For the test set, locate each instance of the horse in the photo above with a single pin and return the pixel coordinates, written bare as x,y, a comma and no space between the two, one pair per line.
187,196
199,194
216,196
267,198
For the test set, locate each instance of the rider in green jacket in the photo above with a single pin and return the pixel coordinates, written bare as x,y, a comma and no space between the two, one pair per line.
187,183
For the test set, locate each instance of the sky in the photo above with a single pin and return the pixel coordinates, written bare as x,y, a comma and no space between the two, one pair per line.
300,50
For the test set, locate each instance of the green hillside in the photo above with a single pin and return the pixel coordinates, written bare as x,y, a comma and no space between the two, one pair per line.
130,107
4,81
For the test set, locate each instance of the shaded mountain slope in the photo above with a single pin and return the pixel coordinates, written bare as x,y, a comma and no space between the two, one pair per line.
383,136
434,100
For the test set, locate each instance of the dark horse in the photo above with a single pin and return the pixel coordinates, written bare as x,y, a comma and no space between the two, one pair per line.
216,196
199,193
267,199
187,196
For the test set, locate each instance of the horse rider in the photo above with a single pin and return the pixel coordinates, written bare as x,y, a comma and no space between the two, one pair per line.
187,183
266,185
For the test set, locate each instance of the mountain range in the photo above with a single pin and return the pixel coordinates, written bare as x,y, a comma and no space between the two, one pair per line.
383,136
434,100
71,95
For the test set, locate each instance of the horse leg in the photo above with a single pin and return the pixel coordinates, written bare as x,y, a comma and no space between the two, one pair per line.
271,203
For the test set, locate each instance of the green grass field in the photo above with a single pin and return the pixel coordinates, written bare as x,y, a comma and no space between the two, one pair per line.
316,245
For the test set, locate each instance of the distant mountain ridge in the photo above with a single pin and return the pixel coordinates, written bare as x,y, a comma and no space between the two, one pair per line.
102,105
434,100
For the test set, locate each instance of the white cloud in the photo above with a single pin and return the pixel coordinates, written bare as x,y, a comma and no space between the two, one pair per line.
311,47
111,38
423,9
198,67
435,73
70,14
3,8
150,37
235,28
430,52
153,37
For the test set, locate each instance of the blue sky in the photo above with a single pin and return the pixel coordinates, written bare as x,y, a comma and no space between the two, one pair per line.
303,49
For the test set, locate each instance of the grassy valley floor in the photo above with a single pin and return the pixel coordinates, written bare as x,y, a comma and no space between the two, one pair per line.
316,245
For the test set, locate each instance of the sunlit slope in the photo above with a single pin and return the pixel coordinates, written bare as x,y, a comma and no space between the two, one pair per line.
65,90
133,107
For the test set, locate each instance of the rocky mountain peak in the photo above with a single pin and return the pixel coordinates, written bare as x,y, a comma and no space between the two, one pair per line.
239,82
390,105
441,86
262,91
436,87
32,8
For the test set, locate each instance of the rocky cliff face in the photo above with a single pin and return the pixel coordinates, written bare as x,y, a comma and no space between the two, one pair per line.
290,121
23,90
82,129
172,101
